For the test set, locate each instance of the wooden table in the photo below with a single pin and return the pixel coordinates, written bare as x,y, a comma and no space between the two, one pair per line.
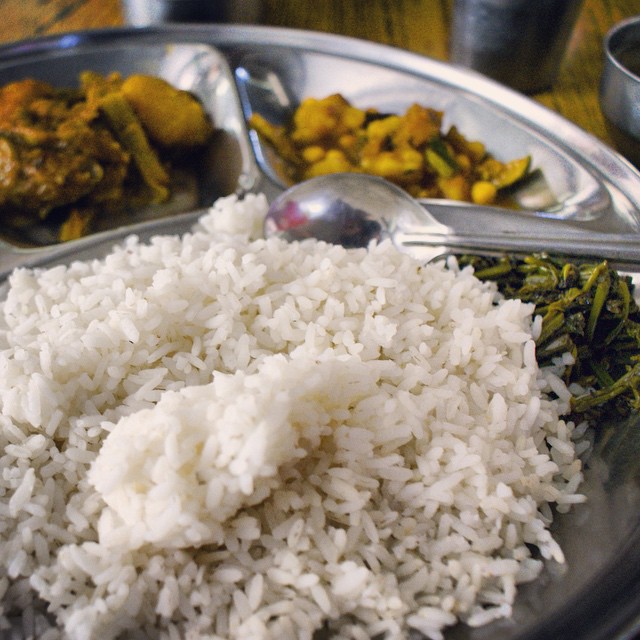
419,25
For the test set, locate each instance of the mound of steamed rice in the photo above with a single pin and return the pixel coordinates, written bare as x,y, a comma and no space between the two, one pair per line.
217,436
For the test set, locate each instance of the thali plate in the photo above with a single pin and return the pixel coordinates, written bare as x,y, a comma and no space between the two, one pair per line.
239,69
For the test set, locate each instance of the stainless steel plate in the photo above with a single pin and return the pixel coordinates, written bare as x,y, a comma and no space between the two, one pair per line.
238,69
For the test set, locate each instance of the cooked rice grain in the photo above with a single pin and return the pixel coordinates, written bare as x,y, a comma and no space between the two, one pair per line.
217,436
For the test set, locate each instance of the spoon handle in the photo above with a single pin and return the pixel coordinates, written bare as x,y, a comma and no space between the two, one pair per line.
618,247
477,228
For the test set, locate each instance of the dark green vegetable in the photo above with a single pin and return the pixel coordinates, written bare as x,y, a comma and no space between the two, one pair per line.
588,310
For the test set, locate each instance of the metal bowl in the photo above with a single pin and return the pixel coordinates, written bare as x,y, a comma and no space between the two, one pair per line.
146,12
620,87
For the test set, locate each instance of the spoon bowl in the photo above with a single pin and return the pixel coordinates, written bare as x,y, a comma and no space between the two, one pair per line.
345,208
354,209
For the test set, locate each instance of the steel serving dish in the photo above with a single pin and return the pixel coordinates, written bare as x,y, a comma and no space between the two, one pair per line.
238,69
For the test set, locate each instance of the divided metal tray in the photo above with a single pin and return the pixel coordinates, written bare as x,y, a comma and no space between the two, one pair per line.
236,70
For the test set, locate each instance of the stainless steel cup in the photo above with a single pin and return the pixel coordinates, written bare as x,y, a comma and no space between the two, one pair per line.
519,43
146,12
620,87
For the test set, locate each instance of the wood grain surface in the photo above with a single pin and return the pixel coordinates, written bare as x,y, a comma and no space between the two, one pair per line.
421,26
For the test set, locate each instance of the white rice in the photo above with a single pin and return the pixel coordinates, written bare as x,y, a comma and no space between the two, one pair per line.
217,436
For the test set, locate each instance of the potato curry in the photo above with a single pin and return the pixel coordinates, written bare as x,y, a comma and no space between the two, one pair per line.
73,156
330,135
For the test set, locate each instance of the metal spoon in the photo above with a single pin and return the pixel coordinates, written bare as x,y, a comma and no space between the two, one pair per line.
353,209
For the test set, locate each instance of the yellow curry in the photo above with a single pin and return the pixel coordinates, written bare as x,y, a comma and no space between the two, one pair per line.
330,135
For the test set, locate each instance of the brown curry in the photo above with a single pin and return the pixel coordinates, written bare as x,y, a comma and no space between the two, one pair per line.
74,155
